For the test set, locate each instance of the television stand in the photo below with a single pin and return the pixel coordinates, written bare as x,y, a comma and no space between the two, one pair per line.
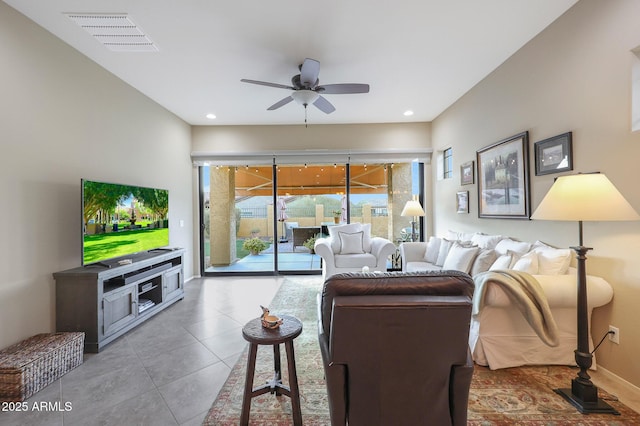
107,303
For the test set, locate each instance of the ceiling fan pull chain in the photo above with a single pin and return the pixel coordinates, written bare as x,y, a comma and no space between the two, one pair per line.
305,116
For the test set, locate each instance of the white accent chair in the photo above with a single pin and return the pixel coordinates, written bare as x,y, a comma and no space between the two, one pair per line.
351,247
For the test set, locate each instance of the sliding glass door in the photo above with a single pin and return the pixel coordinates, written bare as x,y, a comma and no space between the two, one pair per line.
263,219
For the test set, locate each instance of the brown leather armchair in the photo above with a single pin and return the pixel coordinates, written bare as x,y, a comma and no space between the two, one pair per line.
395,347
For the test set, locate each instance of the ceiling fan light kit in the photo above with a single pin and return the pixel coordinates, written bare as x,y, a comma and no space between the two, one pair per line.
306,88
305,97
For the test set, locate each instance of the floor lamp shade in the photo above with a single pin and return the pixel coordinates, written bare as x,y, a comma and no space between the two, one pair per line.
584,197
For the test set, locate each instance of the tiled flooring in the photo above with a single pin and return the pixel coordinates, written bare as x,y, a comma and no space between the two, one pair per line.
167,371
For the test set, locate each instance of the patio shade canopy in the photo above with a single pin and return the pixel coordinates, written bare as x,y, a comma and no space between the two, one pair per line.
310,180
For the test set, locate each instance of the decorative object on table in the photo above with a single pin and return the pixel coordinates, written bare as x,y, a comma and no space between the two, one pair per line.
466,173
462,202
414,209
254,245
584,197
269,321
503,178
554,155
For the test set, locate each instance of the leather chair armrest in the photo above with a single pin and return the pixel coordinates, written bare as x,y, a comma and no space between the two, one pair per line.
334,376
459,391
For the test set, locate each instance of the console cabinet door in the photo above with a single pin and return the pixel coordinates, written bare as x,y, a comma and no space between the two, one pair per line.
119,309
172,283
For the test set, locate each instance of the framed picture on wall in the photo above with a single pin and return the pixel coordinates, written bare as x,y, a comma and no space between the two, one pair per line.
462,202
554,155
466,173
503,178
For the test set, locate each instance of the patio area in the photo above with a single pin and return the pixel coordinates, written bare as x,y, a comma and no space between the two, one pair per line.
300,260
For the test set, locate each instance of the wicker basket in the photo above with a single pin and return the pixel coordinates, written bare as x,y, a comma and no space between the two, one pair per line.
30,365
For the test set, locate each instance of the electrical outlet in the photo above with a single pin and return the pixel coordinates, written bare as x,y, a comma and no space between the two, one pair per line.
614,334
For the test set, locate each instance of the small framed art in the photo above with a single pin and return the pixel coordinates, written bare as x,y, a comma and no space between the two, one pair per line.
554,155
466,173
462,202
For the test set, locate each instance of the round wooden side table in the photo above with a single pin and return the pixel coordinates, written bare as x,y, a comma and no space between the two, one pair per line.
256,334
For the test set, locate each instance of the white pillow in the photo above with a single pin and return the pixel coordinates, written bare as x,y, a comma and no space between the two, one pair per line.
351,243
507,244
552,261
335,236
443,251
527,263
433,248
502,262
460,258
486,241
366,237
483,261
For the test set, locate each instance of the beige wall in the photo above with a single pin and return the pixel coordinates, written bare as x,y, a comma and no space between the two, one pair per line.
575,76
252,139
63,118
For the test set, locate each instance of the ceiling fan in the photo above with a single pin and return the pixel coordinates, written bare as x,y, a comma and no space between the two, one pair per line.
307,89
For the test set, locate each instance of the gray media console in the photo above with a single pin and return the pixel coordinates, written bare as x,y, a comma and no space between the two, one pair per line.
106,302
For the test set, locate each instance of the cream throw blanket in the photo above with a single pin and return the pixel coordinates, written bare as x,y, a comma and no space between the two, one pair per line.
526,294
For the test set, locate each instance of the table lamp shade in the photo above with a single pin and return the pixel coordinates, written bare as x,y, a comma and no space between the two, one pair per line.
412,208
584,197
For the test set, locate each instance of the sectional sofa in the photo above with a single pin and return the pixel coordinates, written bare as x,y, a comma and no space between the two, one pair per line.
500,335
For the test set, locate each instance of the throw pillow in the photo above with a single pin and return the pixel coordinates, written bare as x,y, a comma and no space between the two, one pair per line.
351,243
443,251
527,263
366,237
507,244
460,258
486,241
553,261
334,233
433,248
502,262
483,261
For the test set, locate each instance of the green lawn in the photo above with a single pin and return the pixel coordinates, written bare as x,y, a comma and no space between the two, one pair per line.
115,244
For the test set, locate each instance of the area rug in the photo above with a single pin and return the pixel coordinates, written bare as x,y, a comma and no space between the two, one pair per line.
513,396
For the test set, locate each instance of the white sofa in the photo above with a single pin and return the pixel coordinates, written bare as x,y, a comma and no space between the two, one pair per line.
500,336
350,247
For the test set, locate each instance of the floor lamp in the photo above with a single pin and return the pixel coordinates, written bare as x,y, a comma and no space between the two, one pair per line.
579,198
413,209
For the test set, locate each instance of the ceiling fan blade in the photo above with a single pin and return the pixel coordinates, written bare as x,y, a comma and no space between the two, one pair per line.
280,103
309,72
265,83
344,88
324,105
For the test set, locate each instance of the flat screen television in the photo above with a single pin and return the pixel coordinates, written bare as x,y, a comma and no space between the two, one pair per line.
119,220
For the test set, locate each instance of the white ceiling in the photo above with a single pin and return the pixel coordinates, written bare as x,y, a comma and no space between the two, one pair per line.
420,55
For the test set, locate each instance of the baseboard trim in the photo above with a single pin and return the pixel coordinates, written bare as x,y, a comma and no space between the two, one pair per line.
617,386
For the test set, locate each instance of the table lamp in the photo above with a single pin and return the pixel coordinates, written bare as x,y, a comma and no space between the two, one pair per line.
414,209
584,197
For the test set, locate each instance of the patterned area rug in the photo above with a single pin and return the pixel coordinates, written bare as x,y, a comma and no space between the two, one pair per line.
513,396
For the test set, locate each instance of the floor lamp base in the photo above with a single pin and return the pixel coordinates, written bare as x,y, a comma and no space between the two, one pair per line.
597,406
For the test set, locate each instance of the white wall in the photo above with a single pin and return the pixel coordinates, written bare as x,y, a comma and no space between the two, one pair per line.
63,118
574,76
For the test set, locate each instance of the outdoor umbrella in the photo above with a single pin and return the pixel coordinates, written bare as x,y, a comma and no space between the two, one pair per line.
282,217
344,208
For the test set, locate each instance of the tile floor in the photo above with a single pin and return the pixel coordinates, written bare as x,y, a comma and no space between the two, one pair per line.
167,371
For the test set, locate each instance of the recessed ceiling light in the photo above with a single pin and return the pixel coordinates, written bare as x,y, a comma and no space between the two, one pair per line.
408,113
211,116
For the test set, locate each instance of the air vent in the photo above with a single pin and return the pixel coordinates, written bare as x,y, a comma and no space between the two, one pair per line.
116,32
